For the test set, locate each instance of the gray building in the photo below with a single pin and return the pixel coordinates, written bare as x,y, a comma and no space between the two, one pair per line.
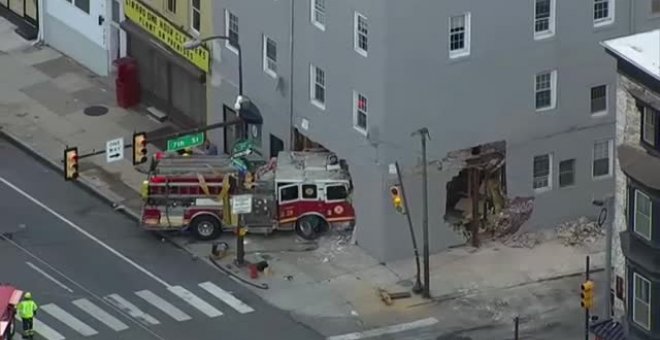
526,81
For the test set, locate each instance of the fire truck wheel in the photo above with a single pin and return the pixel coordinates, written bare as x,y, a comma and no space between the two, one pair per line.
206,227
311,227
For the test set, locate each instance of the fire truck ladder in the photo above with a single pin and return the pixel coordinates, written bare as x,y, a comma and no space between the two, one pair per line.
200,167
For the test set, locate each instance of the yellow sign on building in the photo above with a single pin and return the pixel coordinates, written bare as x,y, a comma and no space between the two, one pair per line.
167,33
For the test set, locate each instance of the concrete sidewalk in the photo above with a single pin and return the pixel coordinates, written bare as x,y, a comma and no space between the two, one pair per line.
329,285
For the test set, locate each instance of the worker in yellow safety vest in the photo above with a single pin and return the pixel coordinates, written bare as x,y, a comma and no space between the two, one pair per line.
27,309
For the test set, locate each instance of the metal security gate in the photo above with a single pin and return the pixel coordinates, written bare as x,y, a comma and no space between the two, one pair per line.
24,14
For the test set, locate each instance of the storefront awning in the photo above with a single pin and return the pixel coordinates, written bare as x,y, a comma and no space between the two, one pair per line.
640,165
143,35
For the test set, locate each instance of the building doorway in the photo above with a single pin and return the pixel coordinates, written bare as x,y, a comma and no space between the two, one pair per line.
276,145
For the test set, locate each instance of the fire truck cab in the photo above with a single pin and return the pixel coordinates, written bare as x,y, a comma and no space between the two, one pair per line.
307,191
9,299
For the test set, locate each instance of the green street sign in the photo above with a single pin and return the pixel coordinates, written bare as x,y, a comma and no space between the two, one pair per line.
187,141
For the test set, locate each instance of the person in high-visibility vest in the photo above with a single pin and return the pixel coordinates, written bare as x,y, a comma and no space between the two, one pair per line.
27,309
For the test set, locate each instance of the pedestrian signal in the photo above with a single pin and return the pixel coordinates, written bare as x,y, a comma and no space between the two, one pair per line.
587,294
139,148
397,199
70,164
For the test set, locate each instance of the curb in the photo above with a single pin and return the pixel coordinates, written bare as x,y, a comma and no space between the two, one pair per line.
82,182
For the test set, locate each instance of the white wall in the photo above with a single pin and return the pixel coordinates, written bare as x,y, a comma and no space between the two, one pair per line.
85,24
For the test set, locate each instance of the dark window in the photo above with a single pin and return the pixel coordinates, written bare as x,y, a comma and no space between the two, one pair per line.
655,6
276,145
336,192
649,125
289,193
541,172
309,191
232,29
115,11
566,173
171,6
542,16
196,15
83,5
598,99
601,10
601,158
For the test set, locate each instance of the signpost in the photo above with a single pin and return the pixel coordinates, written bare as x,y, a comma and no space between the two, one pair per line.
114,150
241,204
187,141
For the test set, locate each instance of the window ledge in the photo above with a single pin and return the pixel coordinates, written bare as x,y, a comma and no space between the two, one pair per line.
543,35
545,109
542,190
270,73
601,177
603,22
361,52
319,25
458,54
599,114
230,47
318,104
360,130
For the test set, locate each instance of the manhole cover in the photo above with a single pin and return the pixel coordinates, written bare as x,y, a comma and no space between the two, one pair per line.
96,111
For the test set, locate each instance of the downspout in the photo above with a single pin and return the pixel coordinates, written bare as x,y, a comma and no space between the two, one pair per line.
40,22
291,53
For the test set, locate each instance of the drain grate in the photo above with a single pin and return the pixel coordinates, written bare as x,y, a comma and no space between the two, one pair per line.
95,110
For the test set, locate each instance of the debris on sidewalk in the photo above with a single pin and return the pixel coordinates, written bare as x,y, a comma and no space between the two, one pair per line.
578,232
388,297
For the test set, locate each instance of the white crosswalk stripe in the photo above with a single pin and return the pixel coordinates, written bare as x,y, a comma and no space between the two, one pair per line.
100,315
195,301
226,297
42,329
68,319
131,309
163,305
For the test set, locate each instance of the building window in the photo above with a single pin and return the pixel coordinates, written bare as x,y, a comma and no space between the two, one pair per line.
360,34
231,31
642,220
566,173
270,56
649,125
542,170
642,301
196,15
603,12
318,13
82,4
317,86
544,19
546,89
599,99
655,6
171,6
459,35
360,112
602,159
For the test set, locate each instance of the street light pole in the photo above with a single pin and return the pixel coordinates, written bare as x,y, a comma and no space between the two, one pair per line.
424,133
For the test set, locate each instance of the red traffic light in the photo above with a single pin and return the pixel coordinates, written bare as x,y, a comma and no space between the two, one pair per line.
394,190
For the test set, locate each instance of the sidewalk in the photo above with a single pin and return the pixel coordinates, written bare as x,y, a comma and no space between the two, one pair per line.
329,285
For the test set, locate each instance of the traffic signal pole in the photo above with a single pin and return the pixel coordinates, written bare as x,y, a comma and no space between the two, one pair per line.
417,288
424,134
586,310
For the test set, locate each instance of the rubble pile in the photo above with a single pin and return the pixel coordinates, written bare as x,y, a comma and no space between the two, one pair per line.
579,232
523,240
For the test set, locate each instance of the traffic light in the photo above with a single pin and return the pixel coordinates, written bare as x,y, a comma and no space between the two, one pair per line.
397,199
139,148
587,294
70,163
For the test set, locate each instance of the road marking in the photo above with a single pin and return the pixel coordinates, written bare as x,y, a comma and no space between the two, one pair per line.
42,329
68,319
226,297
402,327
48,276
195,301
163,305
100,315
84,232
131,309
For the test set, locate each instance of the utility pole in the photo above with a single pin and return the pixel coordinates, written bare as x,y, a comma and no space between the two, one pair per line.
424,134
417,287
602,217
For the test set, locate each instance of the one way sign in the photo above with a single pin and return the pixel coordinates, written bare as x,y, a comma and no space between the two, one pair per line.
114,150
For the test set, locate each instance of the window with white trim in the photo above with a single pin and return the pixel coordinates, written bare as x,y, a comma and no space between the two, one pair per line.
83,5
171,6
566,173
602,159
360,34
270,56
360,112
544,18
603,12
317,86
642,220
649,124
231,31
545,85
195,15
542,172
599,100
459,35
641,311
318,13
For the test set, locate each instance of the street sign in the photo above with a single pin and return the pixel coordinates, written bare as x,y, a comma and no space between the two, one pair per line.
241,204
187,141
114,150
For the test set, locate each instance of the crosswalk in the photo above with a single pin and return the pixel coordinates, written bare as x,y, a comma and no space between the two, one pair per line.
144,306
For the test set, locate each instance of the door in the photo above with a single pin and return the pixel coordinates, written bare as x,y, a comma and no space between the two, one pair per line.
32,12
310,199
117,35
276,145
288,198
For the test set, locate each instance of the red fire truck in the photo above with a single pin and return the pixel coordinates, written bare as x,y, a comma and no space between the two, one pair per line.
9,299
308,192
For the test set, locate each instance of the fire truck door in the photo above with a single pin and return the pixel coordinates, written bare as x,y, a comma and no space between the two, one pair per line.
288,198
311,200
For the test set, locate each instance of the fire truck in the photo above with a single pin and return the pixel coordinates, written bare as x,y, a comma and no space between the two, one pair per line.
9,299
307,191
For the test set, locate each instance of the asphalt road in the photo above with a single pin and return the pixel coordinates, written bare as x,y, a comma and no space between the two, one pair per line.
89,267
